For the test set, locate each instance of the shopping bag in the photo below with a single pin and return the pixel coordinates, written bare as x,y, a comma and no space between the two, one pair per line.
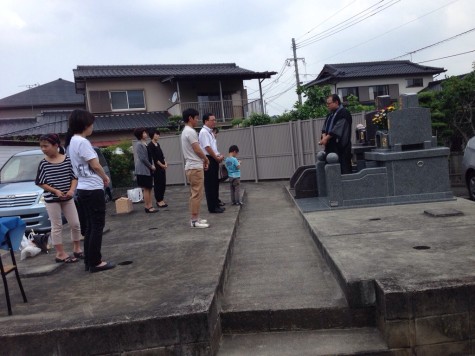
135,195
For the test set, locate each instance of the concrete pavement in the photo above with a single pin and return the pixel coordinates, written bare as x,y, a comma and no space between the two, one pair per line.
255,270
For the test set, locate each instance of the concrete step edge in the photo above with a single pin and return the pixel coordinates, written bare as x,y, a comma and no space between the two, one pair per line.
245,321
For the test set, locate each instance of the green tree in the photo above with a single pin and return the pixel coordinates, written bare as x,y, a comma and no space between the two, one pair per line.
315,103
457,103
440,127
452,110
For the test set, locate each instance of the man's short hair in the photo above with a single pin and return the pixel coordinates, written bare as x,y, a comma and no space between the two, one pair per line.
207,116
336,98
233,148
189,113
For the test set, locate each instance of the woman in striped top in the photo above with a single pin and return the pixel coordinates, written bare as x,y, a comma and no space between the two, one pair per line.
55,175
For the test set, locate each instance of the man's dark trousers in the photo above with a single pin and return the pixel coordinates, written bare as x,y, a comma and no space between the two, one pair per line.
212,184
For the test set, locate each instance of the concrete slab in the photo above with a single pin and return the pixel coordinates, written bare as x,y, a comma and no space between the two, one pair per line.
278,279
365,341
165,299
406,245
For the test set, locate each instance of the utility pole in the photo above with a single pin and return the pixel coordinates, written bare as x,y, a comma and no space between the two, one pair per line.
297,78
31,86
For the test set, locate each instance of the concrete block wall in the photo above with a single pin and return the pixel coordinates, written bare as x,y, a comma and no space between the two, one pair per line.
429,319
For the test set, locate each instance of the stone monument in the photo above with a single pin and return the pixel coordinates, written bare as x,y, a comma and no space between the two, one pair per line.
405,167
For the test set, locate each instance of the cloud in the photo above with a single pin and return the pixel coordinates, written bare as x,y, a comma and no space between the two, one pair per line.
42,41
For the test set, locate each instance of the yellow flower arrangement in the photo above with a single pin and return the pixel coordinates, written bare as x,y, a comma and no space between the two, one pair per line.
380,119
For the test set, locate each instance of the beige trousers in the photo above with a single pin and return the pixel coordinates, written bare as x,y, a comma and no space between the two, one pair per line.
68,208
196,180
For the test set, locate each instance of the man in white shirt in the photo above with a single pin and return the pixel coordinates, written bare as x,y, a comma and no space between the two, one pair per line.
196,163
209,146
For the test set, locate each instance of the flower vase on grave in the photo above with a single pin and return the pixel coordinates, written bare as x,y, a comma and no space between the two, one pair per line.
382,139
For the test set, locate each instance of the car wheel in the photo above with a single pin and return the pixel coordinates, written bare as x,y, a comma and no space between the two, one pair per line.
471,185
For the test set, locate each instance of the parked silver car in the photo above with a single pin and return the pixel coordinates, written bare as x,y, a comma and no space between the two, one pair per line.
20,196
468,167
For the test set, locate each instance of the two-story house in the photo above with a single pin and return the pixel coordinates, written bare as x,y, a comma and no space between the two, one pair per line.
216,88
368,80
128,96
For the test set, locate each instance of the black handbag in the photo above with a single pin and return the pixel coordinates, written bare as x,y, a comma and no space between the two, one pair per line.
223,173
41,241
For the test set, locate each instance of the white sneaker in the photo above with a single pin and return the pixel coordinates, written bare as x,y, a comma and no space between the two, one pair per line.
198,224
203,221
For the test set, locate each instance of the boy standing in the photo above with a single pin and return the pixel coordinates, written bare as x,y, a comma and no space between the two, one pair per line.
234,171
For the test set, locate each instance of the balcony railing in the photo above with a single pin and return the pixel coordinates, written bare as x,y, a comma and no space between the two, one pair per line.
225,110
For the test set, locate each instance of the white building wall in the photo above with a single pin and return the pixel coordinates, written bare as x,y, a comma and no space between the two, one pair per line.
401,82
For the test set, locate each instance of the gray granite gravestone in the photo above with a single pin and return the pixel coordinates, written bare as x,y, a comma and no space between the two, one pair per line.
405,167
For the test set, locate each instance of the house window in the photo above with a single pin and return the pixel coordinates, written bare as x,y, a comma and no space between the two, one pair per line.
378,90
127,100
414,82
343,93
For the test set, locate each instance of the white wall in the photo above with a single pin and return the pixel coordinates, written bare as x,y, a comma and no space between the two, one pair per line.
401,82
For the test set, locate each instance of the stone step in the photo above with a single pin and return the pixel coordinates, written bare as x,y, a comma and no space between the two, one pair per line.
246,321
355,341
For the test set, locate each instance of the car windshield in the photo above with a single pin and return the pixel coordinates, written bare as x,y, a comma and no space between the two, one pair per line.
20,169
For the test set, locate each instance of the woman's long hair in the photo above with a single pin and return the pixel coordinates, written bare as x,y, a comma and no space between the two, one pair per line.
78,122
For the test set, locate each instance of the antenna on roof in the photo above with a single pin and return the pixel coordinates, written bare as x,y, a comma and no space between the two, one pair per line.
29,86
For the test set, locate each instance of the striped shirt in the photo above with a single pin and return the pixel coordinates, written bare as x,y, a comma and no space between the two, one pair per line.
57,176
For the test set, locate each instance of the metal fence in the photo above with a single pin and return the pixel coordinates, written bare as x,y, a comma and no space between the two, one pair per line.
227,109
266,152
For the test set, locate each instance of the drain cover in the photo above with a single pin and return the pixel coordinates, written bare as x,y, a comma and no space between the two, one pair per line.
421,247
442,213
125,263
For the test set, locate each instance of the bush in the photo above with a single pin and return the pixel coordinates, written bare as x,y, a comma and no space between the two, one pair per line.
174,122
121,165
237,122
354,105
259,119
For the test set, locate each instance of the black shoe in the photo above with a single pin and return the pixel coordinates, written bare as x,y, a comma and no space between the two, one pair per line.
107,266
86,268
151,210
217,211
221,203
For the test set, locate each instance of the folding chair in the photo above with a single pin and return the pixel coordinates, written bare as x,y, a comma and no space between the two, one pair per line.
11,228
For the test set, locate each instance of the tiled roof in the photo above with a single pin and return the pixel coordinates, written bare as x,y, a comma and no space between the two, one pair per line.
57,122
333,73
57,92
168,70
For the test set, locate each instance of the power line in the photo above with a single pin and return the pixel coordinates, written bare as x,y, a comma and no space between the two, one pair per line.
328,18
435,44
453,55
391,30
340,24
420,49
273,97
338,28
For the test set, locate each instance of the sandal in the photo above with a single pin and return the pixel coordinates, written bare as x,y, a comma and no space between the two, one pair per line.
79,255
151,210
68,259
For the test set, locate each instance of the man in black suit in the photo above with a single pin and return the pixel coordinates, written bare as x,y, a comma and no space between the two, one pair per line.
336,132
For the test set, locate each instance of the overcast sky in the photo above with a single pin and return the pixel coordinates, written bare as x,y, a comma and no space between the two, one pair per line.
41,41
